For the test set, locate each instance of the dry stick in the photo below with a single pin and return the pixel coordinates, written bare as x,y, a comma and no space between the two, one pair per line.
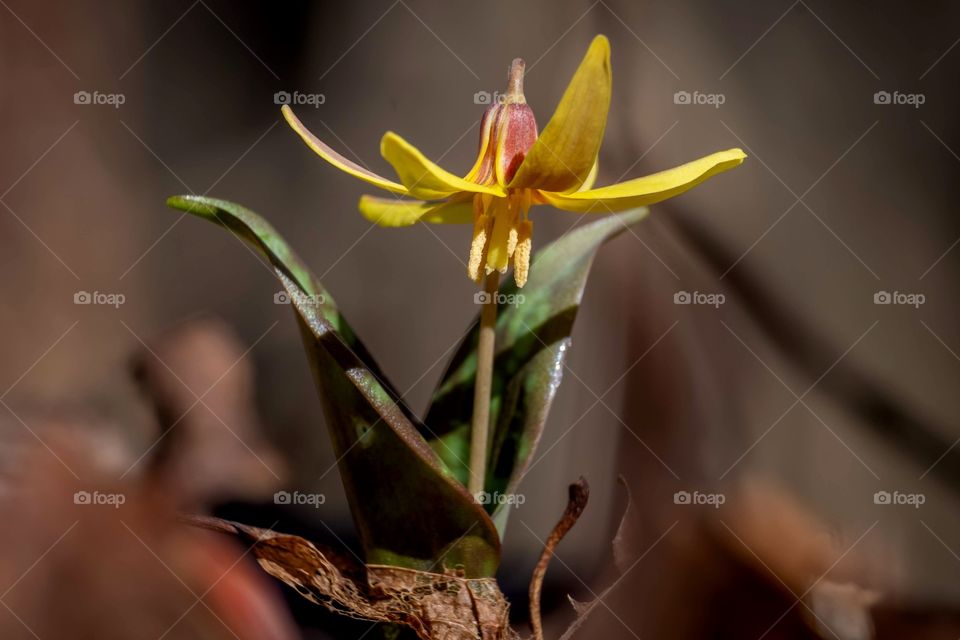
576,503
480,425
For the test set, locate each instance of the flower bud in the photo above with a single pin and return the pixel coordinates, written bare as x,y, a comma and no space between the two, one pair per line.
507,131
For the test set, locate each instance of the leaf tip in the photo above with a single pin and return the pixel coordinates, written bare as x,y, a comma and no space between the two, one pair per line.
190,204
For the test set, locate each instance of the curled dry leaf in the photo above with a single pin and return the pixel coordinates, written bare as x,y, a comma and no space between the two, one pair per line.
436,606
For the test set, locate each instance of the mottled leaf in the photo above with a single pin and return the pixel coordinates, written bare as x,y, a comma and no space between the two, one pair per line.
533,335
409,508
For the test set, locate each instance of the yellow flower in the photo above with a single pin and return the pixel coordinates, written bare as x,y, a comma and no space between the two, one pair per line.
517,169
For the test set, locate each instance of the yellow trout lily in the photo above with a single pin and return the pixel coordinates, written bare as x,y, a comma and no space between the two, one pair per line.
516,169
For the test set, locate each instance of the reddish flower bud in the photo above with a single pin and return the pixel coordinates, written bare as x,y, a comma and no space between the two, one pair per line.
507,131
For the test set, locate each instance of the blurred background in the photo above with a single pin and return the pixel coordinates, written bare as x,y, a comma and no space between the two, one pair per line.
815,397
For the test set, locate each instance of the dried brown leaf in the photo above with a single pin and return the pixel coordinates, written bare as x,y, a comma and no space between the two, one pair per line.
436,606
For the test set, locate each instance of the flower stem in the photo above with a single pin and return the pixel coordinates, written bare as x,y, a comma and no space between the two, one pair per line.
480,425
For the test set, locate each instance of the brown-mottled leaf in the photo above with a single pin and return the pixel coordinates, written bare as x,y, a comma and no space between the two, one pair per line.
409,508
533,336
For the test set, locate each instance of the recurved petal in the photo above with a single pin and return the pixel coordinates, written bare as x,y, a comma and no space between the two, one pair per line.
591,177
483,167
648,189
422,178
565,152
334,158
391,212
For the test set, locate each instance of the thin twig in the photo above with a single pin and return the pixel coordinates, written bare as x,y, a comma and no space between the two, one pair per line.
577,502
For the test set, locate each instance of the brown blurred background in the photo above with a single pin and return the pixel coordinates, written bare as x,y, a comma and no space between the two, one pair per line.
799,380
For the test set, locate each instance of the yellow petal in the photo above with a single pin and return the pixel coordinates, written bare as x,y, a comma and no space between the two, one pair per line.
482,167
565,152
422,178
335,158
648,189
390,212
591,177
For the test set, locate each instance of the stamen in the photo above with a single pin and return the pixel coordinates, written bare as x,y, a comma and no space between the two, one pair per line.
512,241
503,214
478,247
526,201
487,200
515,202
521,257
478,207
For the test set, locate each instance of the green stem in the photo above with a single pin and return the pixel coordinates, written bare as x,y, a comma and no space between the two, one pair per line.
480,425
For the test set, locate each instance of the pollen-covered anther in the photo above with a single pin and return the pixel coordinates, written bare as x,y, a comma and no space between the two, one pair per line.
521,255
478,247
512,241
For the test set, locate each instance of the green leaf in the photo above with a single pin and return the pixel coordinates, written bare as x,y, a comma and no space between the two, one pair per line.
533,337
409,508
